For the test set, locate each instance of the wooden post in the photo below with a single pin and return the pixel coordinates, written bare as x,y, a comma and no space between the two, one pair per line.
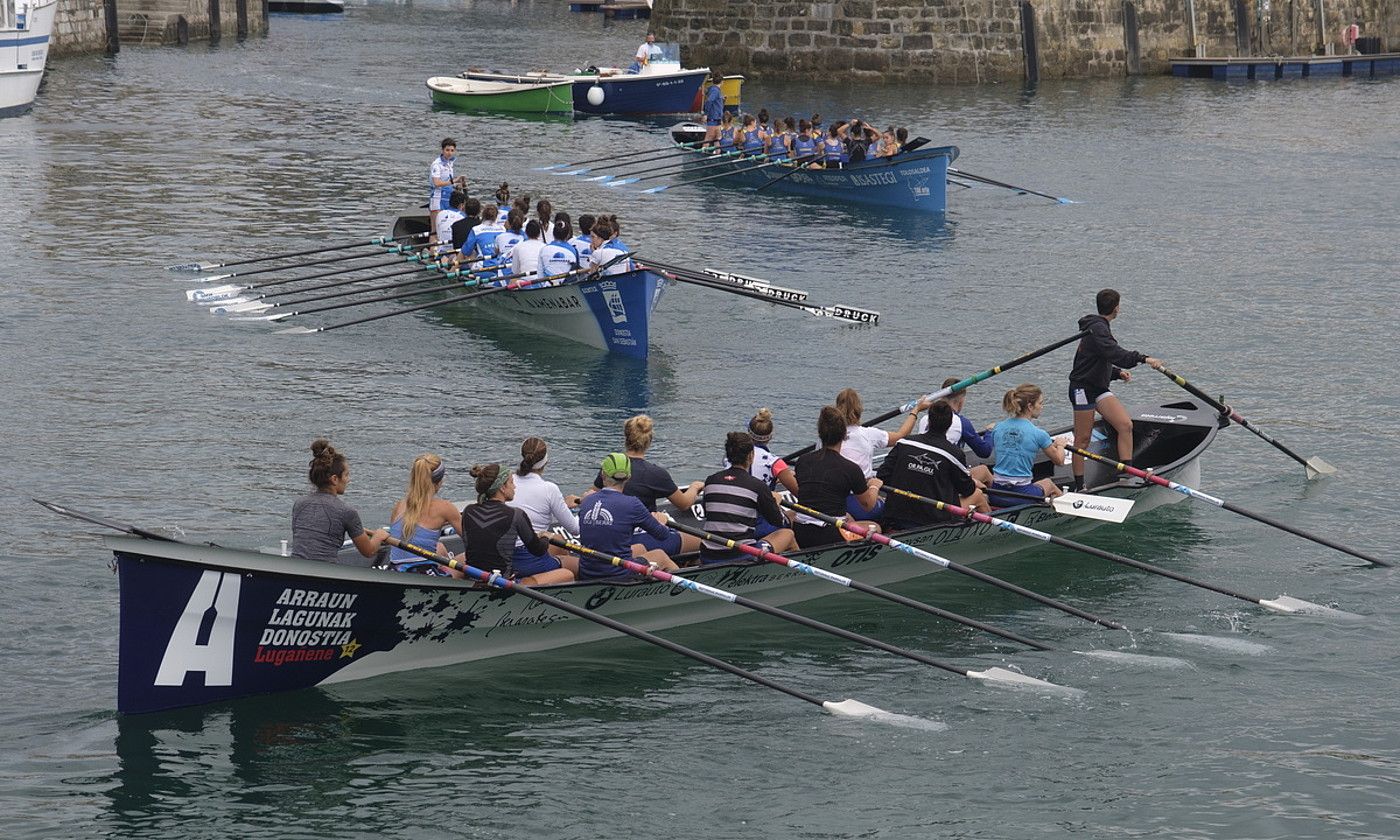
241,7
216,24
1324,46
1028,42
114,41
1130,39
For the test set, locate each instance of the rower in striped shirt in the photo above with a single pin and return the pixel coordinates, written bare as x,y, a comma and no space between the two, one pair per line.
734,500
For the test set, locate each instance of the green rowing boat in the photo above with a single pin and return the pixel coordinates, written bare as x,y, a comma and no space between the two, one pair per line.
502,97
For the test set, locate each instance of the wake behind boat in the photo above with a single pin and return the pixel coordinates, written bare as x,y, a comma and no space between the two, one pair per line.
25,28
205,623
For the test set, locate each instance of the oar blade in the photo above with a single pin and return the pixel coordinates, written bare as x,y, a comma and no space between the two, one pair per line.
852,313
1289,604
622,182
655,190
571,172
217,292
298,331
1317,468
1104,508
551,166
1012,679
277,317
239,309
857,709
1066,201
186,267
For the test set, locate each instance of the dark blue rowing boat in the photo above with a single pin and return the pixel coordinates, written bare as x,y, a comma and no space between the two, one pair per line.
915,180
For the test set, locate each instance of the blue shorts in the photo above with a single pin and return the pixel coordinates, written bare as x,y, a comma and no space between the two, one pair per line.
671,544
440,201
1031,489
1080,399
524,564
857,512
707,558
709,123
763,528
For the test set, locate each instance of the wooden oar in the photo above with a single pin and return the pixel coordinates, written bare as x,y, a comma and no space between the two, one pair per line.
957,386
837,311
990,675
849,708
262,302
1233,508
846,524
675,166
716,159
378,240
1282,604
849,583
216,293
665,187
988,181
450,275
751,283
611,157
216,277
540,282
1315,466
401,284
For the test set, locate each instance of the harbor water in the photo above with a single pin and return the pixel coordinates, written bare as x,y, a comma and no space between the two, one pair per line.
1250,227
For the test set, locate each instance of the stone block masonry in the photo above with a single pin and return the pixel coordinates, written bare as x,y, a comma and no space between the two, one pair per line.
997,40
81,26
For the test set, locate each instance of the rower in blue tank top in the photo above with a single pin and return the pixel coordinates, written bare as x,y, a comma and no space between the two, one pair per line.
804,145
833,149
778,145
752,138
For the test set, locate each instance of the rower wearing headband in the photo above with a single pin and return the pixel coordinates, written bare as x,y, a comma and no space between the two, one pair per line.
422,515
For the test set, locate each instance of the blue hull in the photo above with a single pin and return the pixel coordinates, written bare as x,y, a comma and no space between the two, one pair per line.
610,313
916,180
659,93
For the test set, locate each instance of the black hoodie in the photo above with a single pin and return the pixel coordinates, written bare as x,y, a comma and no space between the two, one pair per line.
1099,357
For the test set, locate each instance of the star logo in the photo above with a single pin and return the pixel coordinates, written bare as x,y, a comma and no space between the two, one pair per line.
347,651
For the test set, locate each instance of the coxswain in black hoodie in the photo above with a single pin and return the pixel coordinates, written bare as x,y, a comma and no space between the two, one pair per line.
1097,362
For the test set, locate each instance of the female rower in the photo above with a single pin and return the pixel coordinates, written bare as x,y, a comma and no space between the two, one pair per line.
804,145
491,529
1098,360
856,149
559,256
961,432
773,471
861,441
609,521
583,243
607,247
780,142
514,234
525,257
544,211
422,515
752,139
763,121
826,481
648,482
727,130
503,199
833,148
321,520
1017,441
481,241
546,507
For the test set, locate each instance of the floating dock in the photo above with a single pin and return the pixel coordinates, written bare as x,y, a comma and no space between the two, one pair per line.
1296,67
626,9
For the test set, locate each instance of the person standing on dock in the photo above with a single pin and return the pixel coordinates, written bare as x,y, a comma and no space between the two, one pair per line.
441,180
1349,35
646,54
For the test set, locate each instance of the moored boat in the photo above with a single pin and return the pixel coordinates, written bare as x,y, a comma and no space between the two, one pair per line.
25,28
479,96
914,180
205,623
611,313
658,89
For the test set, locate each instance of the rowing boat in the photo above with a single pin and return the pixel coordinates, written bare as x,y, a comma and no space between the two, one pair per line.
914,180
610,313
479,96
660,90
206,623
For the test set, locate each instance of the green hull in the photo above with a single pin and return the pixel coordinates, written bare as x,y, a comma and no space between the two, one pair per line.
541,99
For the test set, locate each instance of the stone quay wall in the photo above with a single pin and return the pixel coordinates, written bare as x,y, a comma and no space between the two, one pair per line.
82,26
983,40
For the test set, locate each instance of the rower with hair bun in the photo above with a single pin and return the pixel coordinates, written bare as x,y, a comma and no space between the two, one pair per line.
419,517
491,529
651,483
546,507
559,256
321,521
1017,440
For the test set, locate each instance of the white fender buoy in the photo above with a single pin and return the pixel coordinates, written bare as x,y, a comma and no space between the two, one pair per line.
595,96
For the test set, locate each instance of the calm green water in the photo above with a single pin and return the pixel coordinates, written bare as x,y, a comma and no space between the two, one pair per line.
1251,228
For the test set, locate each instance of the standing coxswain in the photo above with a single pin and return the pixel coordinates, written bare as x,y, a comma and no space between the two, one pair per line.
441,180
713,108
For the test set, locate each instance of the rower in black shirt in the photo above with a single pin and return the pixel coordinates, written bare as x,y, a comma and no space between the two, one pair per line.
929,465
734,500
462,228
825,478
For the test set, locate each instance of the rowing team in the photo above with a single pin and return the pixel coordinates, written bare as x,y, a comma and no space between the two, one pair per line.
802,140
502,235
509,526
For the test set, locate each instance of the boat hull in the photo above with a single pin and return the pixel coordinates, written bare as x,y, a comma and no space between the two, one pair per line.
610,313
916,180
203,623
621,93
501,98
23,54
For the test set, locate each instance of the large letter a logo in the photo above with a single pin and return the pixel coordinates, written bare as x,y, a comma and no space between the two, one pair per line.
211,612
